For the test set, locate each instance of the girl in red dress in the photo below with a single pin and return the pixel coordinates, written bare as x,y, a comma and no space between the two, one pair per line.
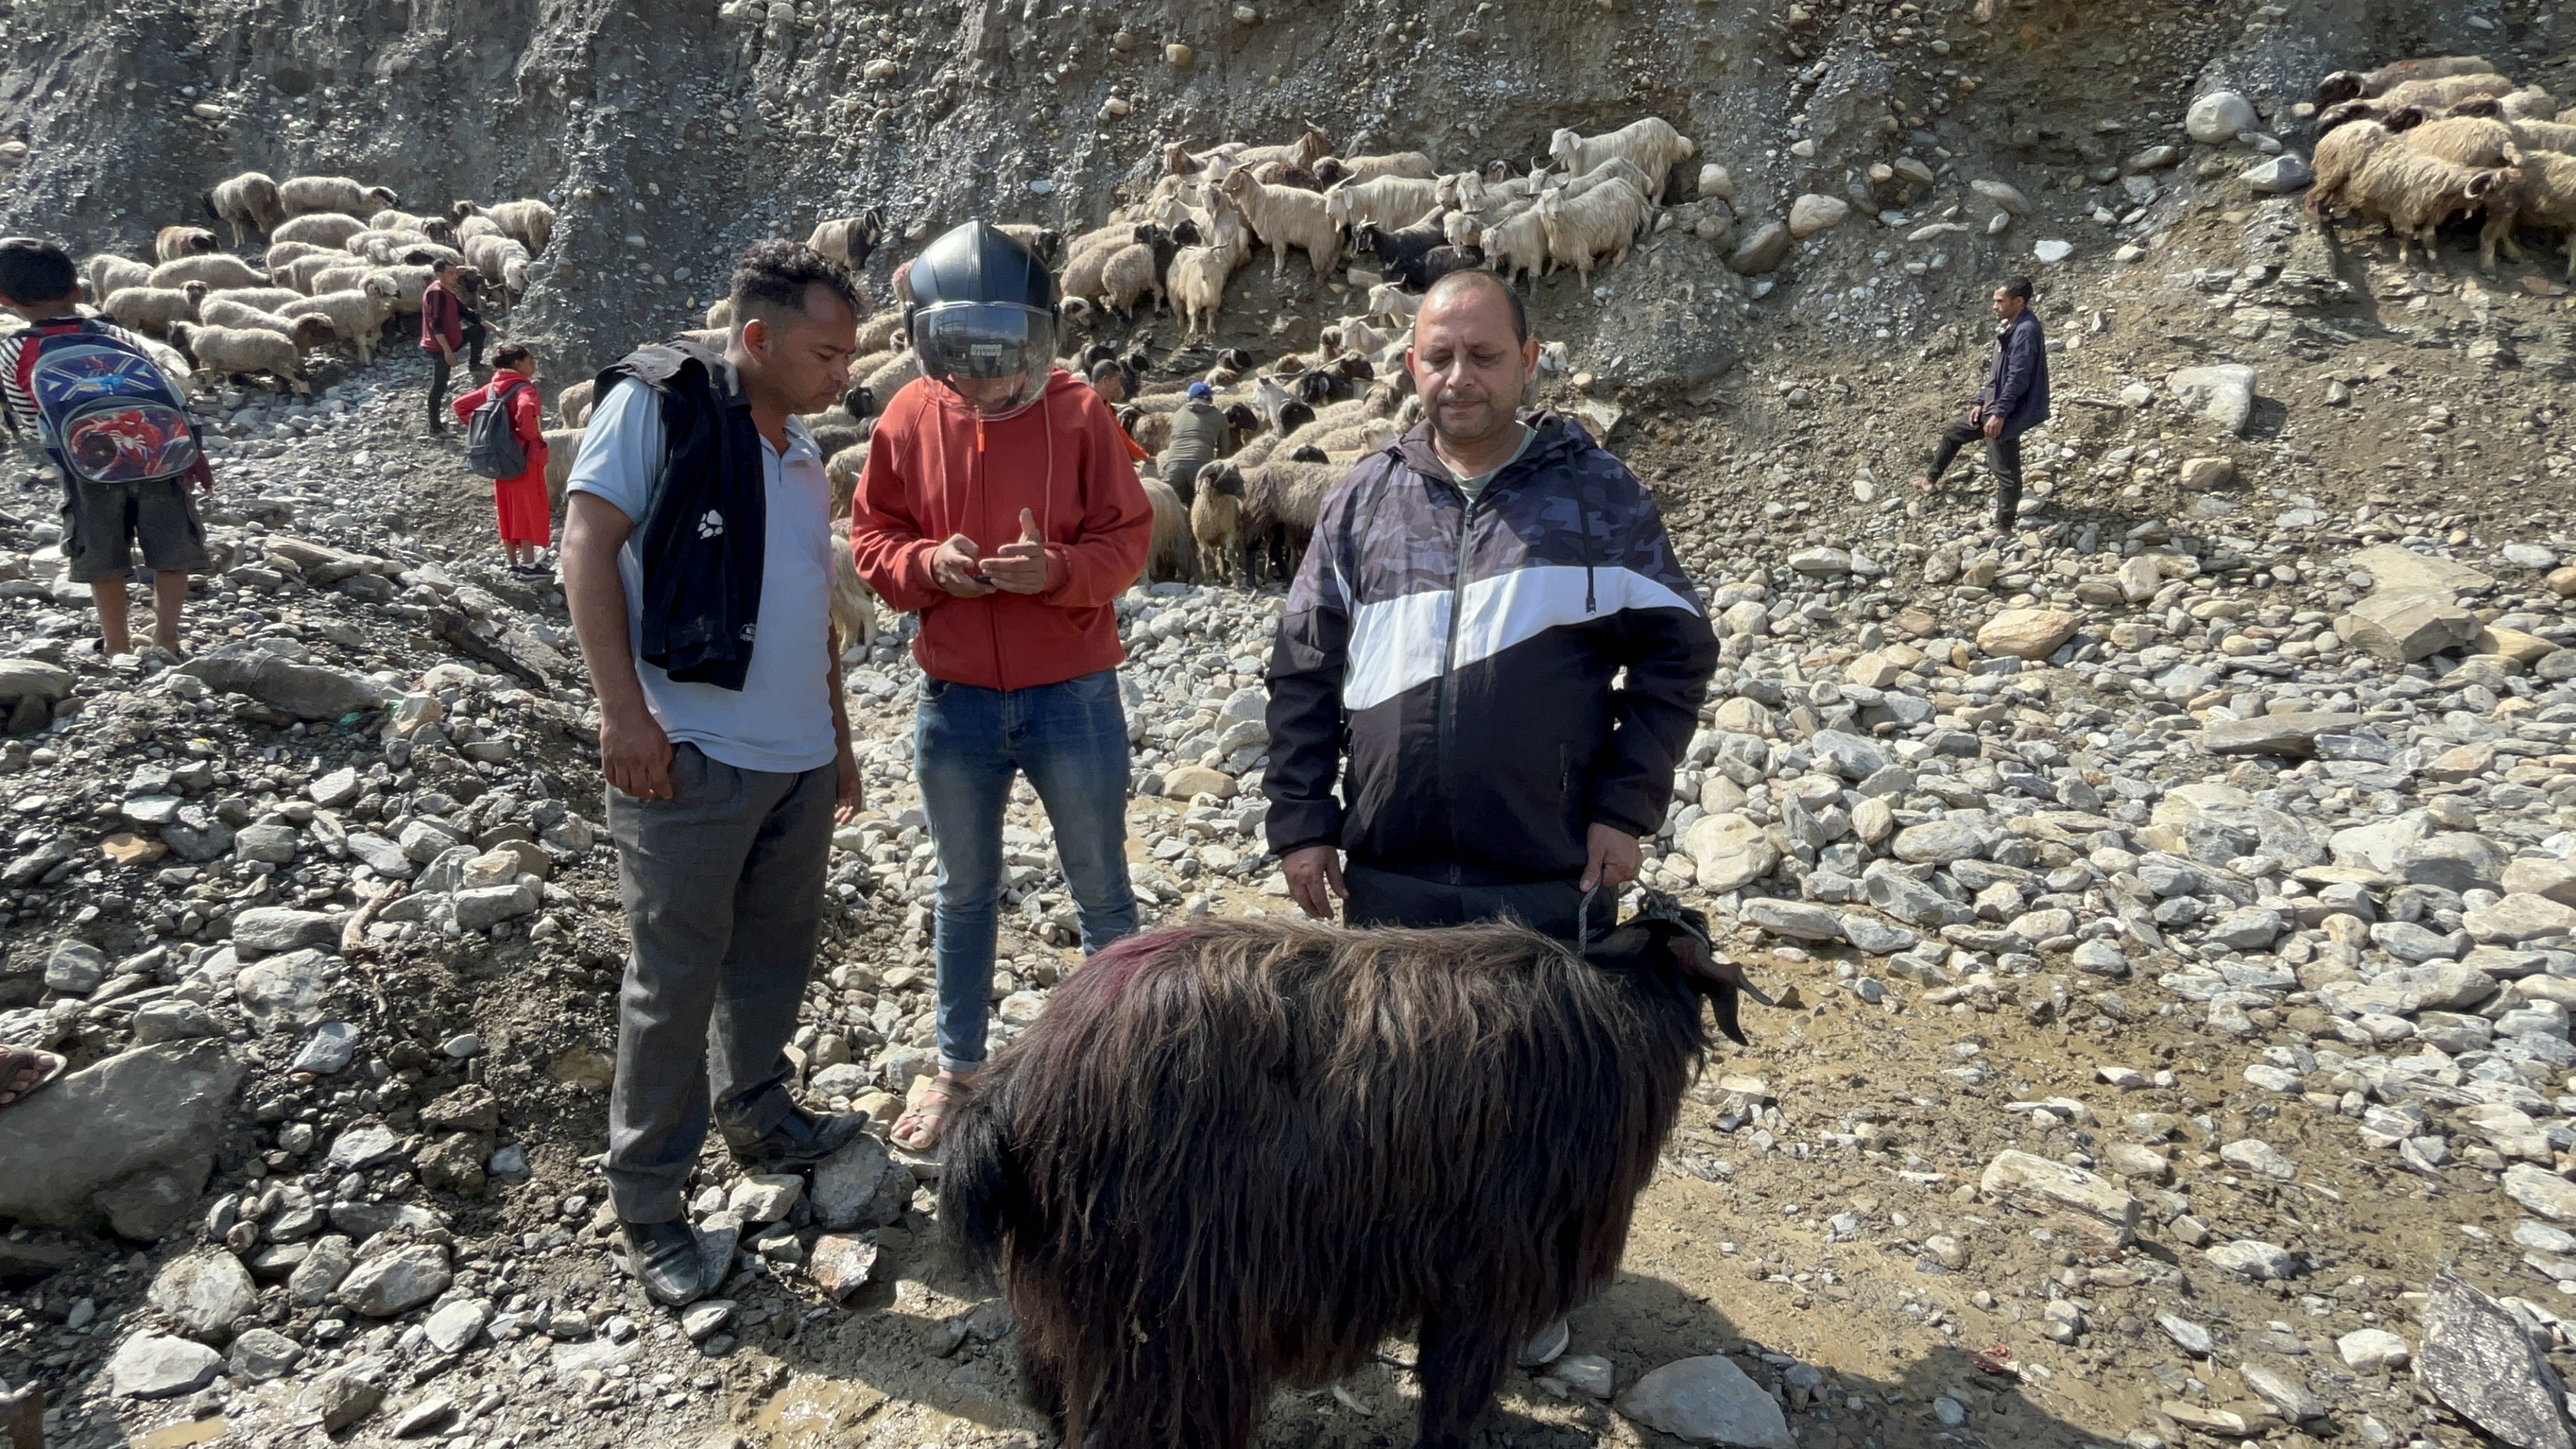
521,502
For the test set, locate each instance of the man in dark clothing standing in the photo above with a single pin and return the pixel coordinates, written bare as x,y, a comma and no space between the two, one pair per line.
447,327
1460,624
2014,400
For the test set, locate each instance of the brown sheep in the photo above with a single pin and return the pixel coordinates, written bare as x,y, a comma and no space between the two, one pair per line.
1216,523
171,243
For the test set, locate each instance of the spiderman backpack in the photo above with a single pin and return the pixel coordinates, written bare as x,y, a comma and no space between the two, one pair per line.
104,408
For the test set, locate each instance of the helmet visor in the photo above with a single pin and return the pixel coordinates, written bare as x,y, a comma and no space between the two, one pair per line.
996,356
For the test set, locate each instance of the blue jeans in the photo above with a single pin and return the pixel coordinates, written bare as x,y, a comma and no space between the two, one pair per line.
967,742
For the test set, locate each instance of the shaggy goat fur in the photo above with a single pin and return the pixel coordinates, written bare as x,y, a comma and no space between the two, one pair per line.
1245,1151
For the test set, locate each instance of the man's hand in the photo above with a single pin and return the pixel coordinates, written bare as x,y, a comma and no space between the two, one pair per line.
1315,879
851,792
451,353
1994,426
1020,567
634,753
1611,857
953,568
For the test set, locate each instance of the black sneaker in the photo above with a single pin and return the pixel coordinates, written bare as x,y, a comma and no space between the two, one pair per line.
665,1258
800,1139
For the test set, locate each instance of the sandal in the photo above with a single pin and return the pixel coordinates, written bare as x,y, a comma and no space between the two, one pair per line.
16,1062
925,1122
1922,483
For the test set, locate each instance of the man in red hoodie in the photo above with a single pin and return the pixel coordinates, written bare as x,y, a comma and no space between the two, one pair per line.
1000,503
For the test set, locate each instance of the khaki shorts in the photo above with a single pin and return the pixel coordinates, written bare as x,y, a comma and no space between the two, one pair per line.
102,522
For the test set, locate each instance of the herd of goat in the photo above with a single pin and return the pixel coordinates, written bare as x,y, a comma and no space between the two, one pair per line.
2416,143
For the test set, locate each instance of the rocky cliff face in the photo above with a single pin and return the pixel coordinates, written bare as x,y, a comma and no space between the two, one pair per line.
669,133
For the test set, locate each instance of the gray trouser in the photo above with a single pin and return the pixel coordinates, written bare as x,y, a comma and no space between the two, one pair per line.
724,896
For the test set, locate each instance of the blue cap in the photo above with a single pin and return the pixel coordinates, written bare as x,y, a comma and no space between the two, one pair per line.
1201,392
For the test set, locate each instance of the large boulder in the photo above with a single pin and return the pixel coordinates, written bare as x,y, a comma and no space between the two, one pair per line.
124,1139
306,691
1708,1401
1729,852
1763,251
2404,624
2223,393
2026,633
2218,118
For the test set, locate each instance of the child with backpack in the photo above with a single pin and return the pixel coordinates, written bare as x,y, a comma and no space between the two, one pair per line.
505,441
117,427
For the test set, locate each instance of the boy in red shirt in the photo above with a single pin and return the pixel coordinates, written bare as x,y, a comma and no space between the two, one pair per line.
999,501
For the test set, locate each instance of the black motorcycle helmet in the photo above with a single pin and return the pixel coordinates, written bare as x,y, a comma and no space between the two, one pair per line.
981,311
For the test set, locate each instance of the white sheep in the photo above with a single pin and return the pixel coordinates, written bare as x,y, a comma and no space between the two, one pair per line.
109,274
1604,220
563,445
2465,141
720,313
264,299
2545,136
882,331
173,242
1651,145
1196,284
229,352
1198,275
1392,302
215,269
1284,217
1353,334
306,332
322,228
247,203
1516,246
409,283
1617,168
503,261
573,404
1390,202
154,309
304,195
281,253
305,273
2530,103
437,228
471,224
351,273
2415,193
358,314
1334,169
532,222
891,375
2545,199
2339,157
2444,91
382,246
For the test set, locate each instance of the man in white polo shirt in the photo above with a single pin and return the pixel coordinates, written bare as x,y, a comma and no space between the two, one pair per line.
697,563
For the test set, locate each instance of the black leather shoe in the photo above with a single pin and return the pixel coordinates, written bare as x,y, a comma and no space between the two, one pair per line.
665,1258
800,1139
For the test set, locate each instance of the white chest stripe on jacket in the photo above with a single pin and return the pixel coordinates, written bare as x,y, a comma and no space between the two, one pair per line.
1396,644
